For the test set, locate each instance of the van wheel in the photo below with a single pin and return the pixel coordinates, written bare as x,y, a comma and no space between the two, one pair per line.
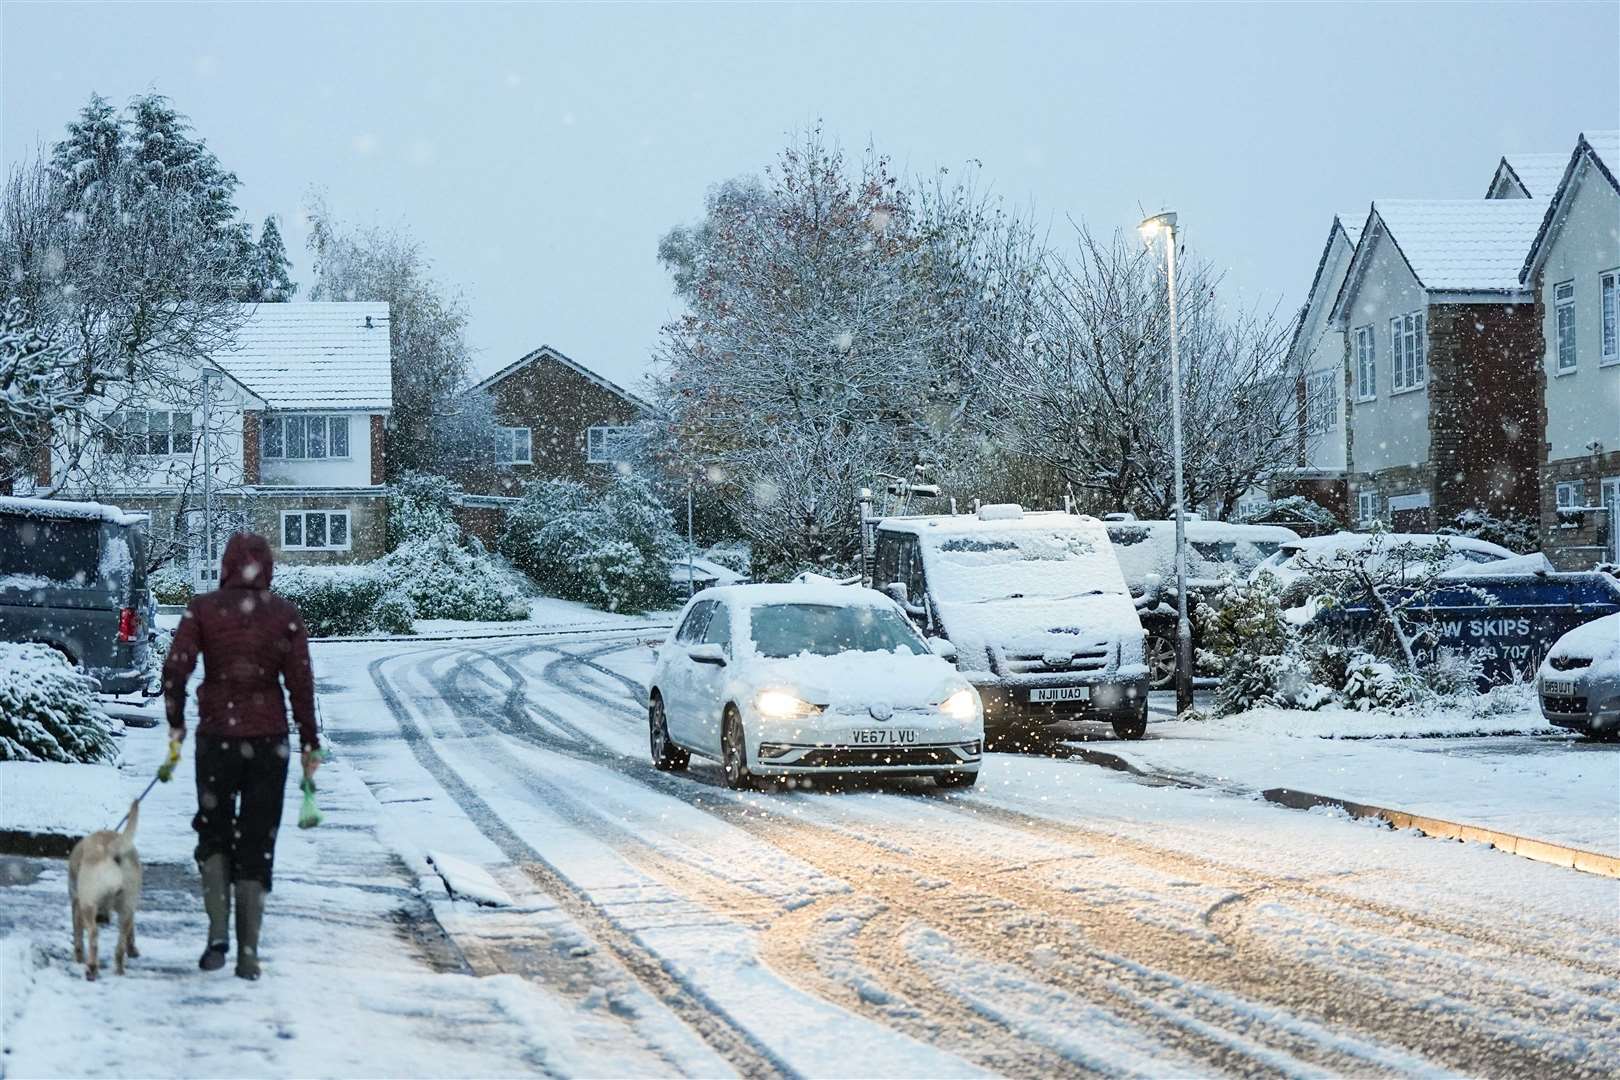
734,752
666,756
1160,655
956,779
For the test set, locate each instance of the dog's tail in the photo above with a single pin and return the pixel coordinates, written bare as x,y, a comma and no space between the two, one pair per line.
134,817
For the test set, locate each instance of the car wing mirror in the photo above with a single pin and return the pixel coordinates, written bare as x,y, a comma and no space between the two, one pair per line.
942,648
707,654
897,591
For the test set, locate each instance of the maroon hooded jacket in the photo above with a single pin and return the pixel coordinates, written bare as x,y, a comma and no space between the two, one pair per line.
251,641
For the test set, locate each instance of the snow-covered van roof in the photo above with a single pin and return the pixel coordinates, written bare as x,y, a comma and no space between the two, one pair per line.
61,508
332,356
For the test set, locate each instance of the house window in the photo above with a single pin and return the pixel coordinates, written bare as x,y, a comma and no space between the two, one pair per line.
1321,402
151,432
315,530
1366,365
298,437
1571,493
1564,322
606,445
1406,351
1611,318
1366,507
514,446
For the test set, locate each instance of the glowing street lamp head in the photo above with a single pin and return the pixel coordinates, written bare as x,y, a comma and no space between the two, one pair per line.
1153,226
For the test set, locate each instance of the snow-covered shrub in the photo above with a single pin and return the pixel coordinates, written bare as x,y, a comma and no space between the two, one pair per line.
171,585
611,548
420,506
1517,534
1454,674
1281,680
734,555
345,600
1242,618
48,710
1371,683
447,581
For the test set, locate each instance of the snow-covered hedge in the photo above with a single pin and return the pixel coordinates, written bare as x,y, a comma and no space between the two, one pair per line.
341,601
171,585
445,580
610,548
48,710
420,507
1517,534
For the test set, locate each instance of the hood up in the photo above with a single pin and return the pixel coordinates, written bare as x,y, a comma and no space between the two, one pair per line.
246,563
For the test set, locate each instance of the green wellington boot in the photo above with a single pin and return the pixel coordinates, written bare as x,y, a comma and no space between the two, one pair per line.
249,914
216,886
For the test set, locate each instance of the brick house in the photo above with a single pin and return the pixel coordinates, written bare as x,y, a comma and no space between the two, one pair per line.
294,427
1443,351
1573,267
557,420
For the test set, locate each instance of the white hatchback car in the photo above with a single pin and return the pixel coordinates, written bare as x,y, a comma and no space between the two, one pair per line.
784,680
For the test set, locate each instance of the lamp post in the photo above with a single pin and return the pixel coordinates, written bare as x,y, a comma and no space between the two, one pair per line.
210,565
1151,227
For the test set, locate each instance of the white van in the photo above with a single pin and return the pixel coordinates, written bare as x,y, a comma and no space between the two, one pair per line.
1036,607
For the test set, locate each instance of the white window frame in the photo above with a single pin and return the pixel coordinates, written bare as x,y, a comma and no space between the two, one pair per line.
120,420
1609,317
599,439
1366,347
506,446
1408,352
328,421
1366,507
1609,497
1564,328
1569,494
1322,401
303,530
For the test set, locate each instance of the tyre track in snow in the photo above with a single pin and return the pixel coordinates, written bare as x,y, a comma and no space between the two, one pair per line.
738,1048
1437,952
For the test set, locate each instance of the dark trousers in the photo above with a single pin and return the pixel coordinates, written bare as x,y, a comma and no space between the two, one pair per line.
240,786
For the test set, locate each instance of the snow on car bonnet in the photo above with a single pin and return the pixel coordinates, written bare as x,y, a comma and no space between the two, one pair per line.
1597,641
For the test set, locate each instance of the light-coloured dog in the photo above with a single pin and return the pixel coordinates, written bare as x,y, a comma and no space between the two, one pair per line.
104,875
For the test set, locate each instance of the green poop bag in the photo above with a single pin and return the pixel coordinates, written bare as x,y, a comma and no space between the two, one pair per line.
309,815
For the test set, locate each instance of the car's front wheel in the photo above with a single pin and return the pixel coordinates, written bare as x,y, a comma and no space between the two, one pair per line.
734,752
666,756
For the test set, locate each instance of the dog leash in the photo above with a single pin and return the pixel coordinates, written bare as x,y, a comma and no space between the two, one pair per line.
165,773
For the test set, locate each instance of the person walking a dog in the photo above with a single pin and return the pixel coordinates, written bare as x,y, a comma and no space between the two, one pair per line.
252,643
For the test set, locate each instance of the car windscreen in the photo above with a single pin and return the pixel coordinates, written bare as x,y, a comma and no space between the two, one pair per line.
60,550
783,630
1036,564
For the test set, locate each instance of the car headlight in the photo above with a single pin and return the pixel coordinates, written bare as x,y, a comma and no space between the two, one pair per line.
962,705
781,705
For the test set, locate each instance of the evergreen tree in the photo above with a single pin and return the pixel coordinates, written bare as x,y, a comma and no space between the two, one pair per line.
270,282
91,155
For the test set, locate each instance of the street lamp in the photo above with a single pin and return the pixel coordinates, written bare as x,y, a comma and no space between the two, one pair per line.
1151,228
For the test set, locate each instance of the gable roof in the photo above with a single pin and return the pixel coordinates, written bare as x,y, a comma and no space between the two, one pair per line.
1534,175
546,352
1601,151
1350,226
314,355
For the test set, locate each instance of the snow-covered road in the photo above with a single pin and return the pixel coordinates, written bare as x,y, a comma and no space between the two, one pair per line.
1058,919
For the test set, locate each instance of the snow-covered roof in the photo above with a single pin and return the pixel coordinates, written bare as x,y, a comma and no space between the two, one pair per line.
314,356
1536,175
1599,148
1350,225
1463,245
62,508
546,352
1351,222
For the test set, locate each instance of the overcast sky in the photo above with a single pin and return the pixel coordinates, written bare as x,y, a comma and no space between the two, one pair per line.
539,152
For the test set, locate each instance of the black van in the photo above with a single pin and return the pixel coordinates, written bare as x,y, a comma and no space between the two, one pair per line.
73,576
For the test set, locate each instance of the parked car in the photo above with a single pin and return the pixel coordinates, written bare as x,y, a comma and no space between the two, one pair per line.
1217,551
1290,563
1036,607
1508,622
72,576
1579,681
797,680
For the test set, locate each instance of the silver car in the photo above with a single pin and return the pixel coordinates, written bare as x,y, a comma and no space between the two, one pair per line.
1579,681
